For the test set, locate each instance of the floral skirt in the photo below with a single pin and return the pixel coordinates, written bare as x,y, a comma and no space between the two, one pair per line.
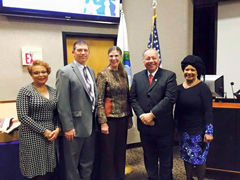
193,149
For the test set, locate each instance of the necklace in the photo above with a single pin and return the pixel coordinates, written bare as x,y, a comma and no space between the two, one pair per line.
186,86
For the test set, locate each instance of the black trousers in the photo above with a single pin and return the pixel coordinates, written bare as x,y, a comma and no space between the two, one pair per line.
158,147
113,149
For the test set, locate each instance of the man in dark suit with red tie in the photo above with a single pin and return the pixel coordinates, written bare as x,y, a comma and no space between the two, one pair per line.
152,96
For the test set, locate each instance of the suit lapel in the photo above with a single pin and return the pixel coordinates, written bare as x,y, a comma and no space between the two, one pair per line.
145,79
80,77
156,78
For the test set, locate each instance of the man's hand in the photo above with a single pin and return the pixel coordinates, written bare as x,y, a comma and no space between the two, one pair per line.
104,128
147,119
70,134
152,123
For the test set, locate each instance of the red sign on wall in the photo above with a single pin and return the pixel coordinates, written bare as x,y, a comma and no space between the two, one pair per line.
28,58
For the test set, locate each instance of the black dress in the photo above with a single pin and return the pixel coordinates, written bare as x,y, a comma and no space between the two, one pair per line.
194,119
36,114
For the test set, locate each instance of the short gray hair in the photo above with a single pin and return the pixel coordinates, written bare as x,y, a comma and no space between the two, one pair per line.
147,50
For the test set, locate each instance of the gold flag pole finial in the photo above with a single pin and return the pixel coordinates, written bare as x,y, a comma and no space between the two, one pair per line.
154,6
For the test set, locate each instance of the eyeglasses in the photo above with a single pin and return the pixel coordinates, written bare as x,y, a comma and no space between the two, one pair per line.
38,73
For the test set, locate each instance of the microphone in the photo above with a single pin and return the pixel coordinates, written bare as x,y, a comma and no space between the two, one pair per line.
225,95
232,83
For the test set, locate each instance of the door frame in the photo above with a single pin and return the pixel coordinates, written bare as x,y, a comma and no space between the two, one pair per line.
66,35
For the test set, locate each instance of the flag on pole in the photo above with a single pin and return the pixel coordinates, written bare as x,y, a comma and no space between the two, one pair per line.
122,42
153,40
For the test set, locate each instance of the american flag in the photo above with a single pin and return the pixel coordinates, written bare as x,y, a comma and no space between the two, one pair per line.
153,40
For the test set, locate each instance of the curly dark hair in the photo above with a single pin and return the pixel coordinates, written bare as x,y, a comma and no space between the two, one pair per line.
39,63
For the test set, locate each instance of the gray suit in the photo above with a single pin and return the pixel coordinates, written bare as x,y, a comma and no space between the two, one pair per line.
75,112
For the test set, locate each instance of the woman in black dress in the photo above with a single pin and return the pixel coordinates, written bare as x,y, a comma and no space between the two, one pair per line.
194,117
36,109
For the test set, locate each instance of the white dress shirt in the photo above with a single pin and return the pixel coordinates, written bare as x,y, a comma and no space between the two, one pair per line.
80,67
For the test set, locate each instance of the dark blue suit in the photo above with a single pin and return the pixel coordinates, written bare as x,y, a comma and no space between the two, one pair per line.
157,140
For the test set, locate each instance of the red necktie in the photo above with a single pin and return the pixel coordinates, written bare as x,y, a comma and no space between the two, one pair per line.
150,78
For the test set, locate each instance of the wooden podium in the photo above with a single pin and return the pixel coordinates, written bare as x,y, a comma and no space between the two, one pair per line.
224,153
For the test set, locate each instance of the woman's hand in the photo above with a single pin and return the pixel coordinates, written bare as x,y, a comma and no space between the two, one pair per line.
130,122
47,133
54,134
207,138
104,128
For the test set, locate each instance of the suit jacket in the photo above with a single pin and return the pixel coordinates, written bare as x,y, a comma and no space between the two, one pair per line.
159,97
73,102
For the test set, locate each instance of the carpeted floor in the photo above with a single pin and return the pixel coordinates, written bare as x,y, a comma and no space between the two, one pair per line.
135,160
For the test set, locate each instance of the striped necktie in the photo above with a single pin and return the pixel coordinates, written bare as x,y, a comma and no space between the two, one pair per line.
89,87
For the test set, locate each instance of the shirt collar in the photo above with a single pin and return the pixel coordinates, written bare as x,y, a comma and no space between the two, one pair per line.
153,74
79,65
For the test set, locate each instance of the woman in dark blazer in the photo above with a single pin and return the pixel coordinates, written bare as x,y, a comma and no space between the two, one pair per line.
114,115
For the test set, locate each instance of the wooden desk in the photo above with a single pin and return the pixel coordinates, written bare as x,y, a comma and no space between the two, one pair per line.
13,136
226,105
224,153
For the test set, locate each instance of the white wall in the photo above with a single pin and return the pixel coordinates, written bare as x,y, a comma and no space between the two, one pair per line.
16,33
228,45
174,25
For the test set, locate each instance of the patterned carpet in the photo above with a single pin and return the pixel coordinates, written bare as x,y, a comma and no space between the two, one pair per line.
135,160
